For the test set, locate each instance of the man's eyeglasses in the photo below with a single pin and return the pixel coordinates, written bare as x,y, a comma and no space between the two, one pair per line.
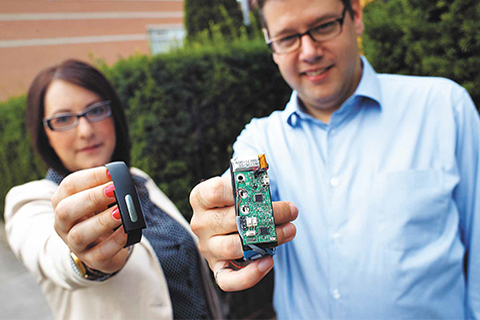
66,121
322,32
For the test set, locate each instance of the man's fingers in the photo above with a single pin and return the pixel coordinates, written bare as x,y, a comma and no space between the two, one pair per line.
227,247
235,280
212,193
214,222
80,181
284,212
285,233
220,221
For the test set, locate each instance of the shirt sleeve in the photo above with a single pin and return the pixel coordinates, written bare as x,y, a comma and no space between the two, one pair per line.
29,226
467,196
248,141
244,144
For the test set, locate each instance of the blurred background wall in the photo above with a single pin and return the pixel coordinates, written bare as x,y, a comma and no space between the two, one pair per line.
38,33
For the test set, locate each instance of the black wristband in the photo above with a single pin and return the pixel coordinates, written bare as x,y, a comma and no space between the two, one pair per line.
127,200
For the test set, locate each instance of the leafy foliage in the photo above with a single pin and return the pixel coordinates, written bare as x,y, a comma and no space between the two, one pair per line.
186,114
184,109
17,161
433,38
200,15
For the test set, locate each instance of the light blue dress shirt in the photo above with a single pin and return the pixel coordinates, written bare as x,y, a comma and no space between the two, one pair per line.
388,195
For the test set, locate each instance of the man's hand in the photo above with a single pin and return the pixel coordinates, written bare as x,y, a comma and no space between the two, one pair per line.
214,223
84,222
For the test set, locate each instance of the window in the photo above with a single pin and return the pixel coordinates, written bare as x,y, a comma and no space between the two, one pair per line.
163,38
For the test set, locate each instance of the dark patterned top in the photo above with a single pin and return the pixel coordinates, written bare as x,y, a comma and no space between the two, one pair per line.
177,253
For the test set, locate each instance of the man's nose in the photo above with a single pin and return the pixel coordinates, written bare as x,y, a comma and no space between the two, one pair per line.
309,49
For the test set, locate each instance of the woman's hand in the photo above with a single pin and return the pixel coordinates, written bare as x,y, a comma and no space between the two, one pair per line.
86,224
214,223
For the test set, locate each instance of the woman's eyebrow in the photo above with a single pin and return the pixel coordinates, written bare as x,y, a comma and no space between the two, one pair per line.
92,103
61,111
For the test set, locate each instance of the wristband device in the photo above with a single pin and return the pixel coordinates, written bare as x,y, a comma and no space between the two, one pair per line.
127,200
253,206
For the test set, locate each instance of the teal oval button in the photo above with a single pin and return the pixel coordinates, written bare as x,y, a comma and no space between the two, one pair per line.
131,208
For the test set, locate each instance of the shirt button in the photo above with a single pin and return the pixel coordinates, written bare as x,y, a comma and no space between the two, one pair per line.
336,294
336,235
334,182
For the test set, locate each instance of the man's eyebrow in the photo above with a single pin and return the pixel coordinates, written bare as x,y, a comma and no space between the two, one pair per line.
327,18
289,31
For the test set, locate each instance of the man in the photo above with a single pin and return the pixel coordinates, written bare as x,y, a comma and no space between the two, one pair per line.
384,171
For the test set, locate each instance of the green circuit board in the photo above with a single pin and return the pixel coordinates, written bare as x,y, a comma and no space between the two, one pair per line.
254,208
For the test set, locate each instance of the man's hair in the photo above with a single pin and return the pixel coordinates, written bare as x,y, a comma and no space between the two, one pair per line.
261,3
85,76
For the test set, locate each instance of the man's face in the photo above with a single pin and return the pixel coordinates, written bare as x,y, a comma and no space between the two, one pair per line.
324,74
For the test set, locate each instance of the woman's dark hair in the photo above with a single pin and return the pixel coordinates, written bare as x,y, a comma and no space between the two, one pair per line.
85,76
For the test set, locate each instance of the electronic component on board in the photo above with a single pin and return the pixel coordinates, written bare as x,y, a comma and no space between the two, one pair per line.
253,206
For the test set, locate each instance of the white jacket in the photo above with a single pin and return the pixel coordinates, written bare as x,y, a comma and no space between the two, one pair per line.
138,291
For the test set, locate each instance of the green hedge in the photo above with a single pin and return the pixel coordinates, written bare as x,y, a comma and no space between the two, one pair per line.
17,161
418,37
201,14
184,109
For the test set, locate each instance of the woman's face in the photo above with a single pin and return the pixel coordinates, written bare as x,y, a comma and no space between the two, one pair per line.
88,145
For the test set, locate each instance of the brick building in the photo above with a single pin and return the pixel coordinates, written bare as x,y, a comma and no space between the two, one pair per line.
39,33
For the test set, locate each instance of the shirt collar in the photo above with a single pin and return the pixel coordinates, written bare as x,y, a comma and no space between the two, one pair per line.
369,88
54,176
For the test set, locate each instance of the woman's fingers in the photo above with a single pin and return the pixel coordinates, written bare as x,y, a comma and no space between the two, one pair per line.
80,181
86,224
82,205
109,255
87,232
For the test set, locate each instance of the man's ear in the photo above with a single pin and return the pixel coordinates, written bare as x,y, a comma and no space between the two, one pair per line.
275,58
358,17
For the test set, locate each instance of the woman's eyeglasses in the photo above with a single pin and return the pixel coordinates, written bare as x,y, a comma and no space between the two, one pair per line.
66,121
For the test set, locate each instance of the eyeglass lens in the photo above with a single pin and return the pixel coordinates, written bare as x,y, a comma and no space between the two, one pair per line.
94,114
319,33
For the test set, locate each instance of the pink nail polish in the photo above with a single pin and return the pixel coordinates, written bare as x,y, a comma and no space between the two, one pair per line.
108,174
109,191
116,214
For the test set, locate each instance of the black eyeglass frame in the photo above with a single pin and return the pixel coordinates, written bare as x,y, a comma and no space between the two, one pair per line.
308,32
47,121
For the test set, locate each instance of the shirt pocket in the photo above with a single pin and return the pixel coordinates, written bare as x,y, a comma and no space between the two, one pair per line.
411,206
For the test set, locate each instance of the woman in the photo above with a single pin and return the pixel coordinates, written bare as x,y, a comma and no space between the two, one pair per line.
62,229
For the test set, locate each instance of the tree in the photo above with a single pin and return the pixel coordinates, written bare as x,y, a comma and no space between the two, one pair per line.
201,14
433,38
